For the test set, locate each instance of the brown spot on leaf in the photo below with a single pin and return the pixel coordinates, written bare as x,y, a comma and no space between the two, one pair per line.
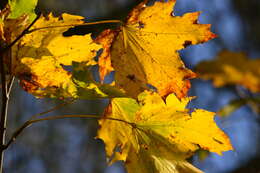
134,14
131,77
140,24
195,21
217,141
190,76
60,18
27,83
144,146
181,68
187,43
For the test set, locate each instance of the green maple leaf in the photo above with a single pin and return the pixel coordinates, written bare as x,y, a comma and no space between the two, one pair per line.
21,7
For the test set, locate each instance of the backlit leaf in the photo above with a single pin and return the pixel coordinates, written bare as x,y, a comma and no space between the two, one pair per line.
154,136
144,50
38,59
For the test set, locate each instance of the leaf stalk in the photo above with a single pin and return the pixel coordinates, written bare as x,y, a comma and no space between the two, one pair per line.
32,121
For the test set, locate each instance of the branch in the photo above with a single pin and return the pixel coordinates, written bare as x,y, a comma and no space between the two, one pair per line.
10,85
20,129
52,109
30,122
5,98
6,90
28,31
83,24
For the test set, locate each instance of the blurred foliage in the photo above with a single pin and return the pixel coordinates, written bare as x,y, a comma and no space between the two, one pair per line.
233,105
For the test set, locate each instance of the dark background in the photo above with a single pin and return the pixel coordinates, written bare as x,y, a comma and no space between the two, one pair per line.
68,146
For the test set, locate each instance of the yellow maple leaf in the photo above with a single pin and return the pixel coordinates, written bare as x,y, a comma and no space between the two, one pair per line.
38,57
144,49
230,68
158,136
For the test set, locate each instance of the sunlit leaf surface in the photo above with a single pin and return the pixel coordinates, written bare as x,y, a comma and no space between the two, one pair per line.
154,136
144,50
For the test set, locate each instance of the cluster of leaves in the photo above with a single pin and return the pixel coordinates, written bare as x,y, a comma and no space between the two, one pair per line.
159,134
234,69
39,57
146,121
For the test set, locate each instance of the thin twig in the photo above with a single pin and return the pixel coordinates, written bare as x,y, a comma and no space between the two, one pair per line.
73,25
52,109
21,128
28,31
6,90
30,122
10,85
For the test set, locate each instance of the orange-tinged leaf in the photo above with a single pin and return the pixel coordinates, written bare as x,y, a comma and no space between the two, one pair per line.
2,20
230,68
105,39
161,135
38,58
2,38
144,52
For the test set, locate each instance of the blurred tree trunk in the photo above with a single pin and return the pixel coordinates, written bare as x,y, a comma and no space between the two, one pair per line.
249,11
253,166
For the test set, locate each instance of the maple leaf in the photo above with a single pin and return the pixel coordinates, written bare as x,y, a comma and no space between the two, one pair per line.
154,136
144,49
231,68
38,57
